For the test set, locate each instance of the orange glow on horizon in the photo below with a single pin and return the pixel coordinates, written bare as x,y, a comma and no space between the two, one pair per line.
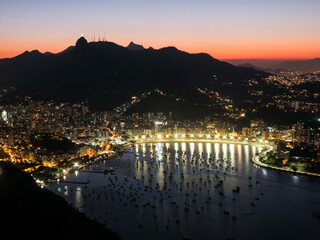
224,29
222,50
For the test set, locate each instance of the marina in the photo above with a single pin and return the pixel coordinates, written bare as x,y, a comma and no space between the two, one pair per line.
193,190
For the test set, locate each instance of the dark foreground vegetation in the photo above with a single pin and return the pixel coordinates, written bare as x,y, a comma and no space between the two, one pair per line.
28,211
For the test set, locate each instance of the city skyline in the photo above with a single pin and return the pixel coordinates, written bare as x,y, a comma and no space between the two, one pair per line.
228,30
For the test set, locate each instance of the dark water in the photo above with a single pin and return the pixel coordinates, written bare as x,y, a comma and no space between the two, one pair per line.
171,190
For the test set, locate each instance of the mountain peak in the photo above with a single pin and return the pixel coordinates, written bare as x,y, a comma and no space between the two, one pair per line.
35,52
27,54
81,42
135,47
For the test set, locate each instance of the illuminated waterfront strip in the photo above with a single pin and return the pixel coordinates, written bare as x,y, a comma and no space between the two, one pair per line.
256,161
198,140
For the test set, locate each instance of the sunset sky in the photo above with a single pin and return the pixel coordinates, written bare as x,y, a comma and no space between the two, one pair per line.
226,29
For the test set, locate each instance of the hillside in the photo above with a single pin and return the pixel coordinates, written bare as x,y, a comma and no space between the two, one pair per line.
108,74
38,213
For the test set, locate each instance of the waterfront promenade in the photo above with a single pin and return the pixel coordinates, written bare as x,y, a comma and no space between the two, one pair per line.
256,160
146,140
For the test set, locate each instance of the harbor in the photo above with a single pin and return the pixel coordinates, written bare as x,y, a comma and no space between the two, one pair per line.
191,190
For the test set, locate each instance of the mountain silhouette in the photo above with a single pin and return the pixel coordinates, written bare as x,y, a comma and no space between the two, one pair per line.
307,66
249,65
135,47
107,74
81,42
272,71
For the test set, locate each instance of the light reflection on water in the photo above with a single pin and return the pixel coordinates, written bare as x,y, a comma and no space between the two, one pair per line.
200,148
143,149
224,150
183,147
238,154
217,149
246,152
78,198
192,147
232,153
168,190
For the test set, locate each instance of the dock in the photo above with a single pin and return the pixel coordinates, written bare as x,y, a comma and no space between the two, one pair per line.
91,171
75,182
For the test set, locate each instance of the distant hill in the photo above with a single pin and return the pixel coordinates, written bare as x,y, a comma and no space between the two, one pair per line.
249,65
307,66
260,63
273,71
108,74
275,66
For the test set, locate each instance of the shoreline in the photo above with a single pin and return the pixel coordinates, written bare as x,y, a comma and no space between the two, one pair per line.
256,161
92,160
199,140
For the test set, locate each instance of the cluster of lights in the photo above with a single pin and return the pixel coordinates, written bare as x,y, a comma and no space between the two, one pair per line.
40,183
208,136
